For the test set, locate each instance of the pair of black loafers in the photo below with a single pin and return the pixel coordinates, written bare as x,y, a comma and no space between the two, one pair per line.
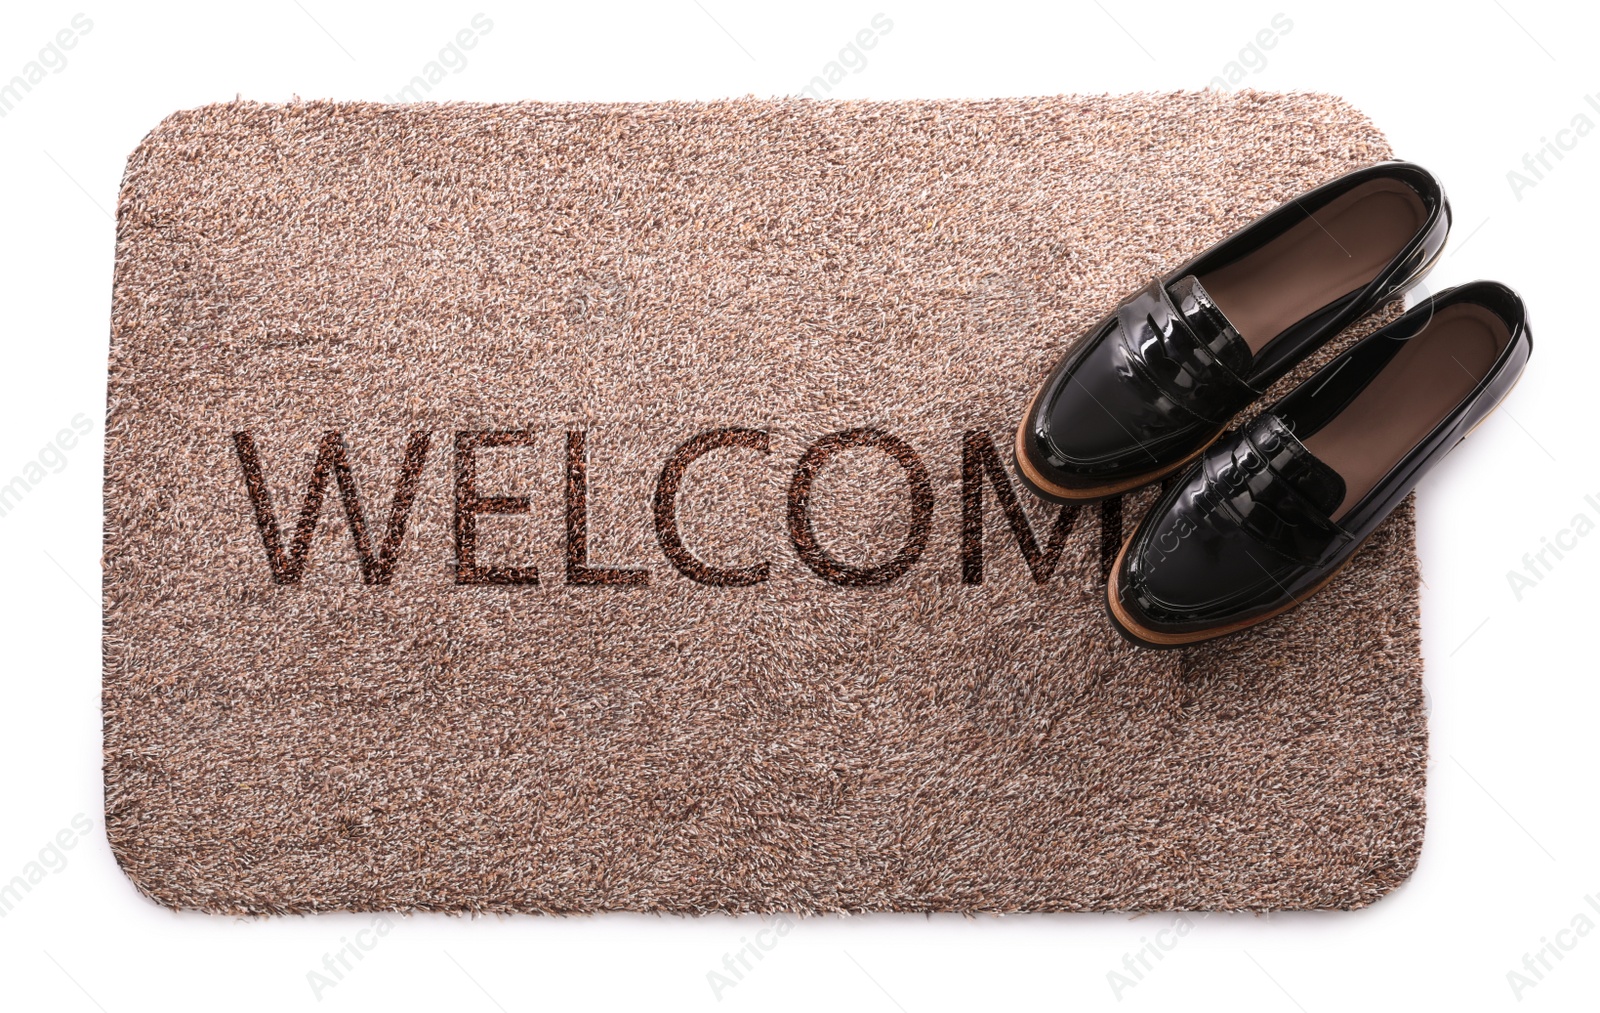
1258,519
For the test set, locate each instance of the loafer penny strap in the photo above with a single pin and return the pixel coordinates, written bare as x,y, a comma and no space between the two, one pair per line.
1275,490
1183,348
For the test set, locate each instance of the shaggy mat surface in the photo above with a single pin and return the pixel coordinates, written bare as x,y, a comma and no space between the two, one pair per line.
561,508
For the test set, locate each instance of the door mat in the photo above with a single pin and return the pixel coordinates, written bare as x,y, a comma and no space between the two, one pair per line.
564,508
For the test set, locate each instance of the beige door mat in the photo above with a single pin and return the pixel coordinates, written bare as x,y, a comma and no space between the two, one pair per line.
562,508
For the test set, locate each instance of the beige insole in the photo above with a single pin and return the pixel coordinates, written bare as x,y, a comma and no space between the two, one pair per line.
1432,374
1327,256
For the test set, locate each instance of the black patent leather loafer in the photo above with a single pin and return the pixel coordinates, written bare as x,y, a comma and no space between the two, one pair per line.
1270,513
1159,378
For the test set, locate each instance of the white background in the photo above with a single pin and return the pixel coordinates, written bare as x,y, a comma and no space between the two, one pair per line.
1511,845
